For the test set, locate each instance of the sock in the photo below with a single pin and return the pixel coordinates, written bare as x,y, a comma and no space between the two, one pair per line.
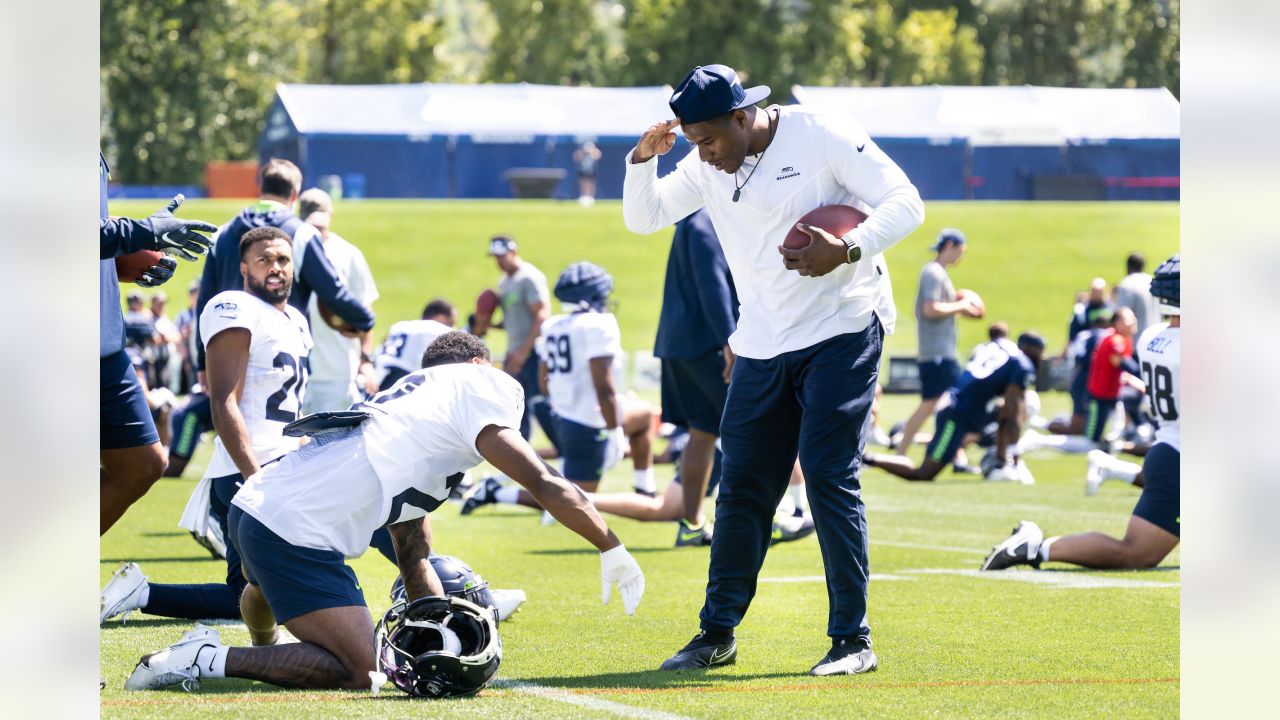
1044,549
644,480
1121,470
509,495
1076,444
799,497
717,636
215,666
144,596
786,506
193,602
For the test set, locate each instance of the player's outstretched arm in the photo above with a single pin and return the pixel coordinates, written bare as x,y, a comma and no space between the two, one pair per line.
412,541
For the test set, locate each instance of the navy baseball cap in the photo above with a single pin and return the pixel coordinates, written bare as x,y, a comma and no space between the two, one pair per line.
501,245
1031,338
709,91
948,235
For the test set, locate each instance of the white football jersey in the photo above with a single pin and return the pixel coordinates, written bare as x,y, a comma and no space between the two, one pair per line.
406,342
397,466
567,346
1159,351
276,378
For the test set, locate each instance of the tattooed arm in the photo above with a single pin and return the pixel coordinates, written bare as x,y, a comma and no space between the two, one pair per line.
412,540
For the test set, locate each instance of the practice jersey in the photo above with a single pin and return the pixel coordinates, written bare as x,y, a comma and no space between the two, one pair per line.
405,344
275,379
567,346
397,466
995,366
1159,352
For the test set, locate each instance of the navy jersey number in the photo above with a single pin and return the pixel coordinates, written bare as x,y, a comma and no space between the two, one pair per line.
394,345
297,371
559,357
1159,381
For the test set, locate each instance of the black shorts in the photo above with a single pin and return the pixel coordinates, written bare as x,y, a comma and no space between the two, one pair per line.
1097,413
582,449
937,377
949,429
295,580
1161,500
694,391
125,418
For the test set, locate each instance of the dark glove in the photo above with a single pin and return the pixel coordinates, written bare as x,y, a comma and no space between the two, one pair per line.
176,236
158,274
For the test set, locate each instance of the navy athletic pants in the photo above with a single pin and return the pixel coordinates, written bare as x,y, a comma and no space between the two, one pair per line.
817,402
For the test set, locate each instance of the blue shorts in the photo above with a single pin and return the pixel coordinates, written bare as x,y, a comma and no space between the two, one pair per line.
694,391
295,580
1161,503
1096,414
1079,400
949,429
583,450
125,418
188,423
937,376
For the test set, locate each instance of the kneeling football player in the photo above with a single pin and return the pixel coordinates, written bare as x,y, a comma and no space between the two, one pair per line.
388,464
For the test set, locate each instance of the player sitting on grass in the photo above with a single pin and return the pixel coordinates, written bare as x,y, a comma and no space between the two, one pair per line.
1154,528
387,464
579,351
1001,370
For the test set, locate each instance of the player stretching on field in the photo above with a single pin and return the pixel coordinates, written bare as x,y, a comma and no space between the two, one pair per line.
809,338
401,352
389,466
256,359
1155,527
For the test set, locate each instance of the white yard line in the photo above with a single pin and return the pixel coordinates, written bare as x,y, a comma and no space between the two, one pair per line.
583,701
1070,580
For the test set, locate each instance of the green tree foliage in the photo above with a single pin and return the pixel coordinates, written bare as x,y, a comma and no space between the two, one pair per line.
930,49
369,41
552,42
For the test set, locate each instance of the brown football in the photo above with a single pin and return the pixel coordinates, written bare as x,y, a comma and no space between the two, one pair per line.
130,267
331,318
835,219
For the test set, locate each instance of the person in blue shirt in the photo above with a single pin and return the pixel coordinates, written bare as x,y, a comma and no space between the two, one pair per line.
130,455
699,313
1000,371
280,181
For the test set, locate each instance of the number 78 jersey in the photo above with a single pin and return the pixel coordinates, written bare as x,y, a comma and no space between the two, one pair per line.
567,346
1159,351
275,379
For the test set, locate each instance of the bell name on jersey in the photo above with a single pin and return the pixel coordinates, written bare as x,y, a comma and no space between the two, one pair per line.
567,345
275,378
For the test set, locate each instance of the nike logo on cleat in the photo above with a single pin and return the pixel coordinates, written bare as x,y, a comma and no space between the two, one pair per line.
718,657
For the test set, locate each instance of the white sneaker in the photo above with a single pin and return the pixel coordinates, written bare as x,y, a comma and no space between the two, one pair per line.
1024,473
507,602
121,593
177,664
547,519
1030,440
1097,471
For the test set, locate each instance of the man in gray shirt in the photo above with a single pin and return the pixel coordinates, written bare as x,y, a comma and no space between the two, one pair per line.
1134,292
936,311
526,303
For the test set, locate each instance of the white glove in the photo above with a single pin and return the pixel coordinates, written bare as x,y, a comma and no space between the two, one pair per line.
618,567
615,451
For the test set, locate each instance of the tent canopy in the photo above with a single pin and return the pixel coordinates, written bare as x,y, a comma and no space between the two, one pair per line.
1023,115
515,111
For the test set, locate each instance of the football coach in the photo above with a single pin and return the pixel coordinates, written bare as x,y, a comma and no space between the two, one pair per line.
808,339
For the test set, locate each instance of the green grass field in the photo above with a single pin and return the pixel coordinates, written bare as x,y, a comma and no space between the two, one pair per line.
1055,643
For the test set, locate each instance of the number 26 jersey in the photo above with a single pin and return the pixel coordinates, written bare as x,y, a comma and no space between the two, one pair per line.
275,379
1159,351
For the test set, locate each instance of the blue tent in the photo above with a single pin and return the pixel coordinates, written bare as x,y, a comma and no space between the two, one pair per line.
439,141
1021,143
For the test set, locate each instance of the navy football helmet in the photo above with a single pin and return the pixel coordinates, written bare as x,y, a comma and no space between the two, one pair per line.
584,285
1166,286
438,647
458,579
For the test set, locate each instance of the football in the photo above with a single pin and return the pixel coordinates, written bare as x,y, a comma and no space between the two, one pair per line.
130,267
979,307
835,219
486,303
331,318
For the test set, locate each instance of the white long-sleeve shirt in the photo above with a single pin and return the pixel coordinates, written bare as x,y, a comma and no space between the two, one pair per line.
815,159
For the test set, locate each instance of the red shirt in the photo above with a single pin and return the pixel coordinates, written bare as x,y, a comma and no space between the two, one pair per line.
1104,371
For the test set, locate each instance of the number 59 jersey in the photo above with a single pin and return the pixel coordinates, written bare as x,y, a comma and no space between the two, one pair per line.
275,378
567,346
1159,351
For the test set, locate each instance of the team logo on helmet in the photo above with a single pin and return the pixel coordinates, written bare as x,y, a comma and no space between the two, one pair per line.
438,647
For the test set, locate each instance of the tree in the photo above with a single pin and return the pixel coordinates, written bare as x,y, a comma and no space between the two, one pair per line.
370,41
930,49
557,42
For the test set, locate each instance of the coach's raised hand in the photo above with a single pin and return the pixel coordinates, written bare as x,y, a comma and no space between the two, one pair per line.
657,140
176,236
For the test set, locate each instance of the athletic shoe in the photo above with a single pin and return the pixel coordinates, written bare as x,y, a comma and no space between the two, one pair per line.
1020,548
212,539
964,469
689,536
507,602
895,434
647,493
459,491
847,657
481,494
177,664
1097,471
121,593
880,437
547,519
1030,440
791,527
703,652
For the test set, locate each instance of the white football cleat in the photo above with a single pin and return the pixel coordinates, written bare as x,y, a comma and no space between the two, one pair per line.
177,664
507,602
1097,471
121,593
